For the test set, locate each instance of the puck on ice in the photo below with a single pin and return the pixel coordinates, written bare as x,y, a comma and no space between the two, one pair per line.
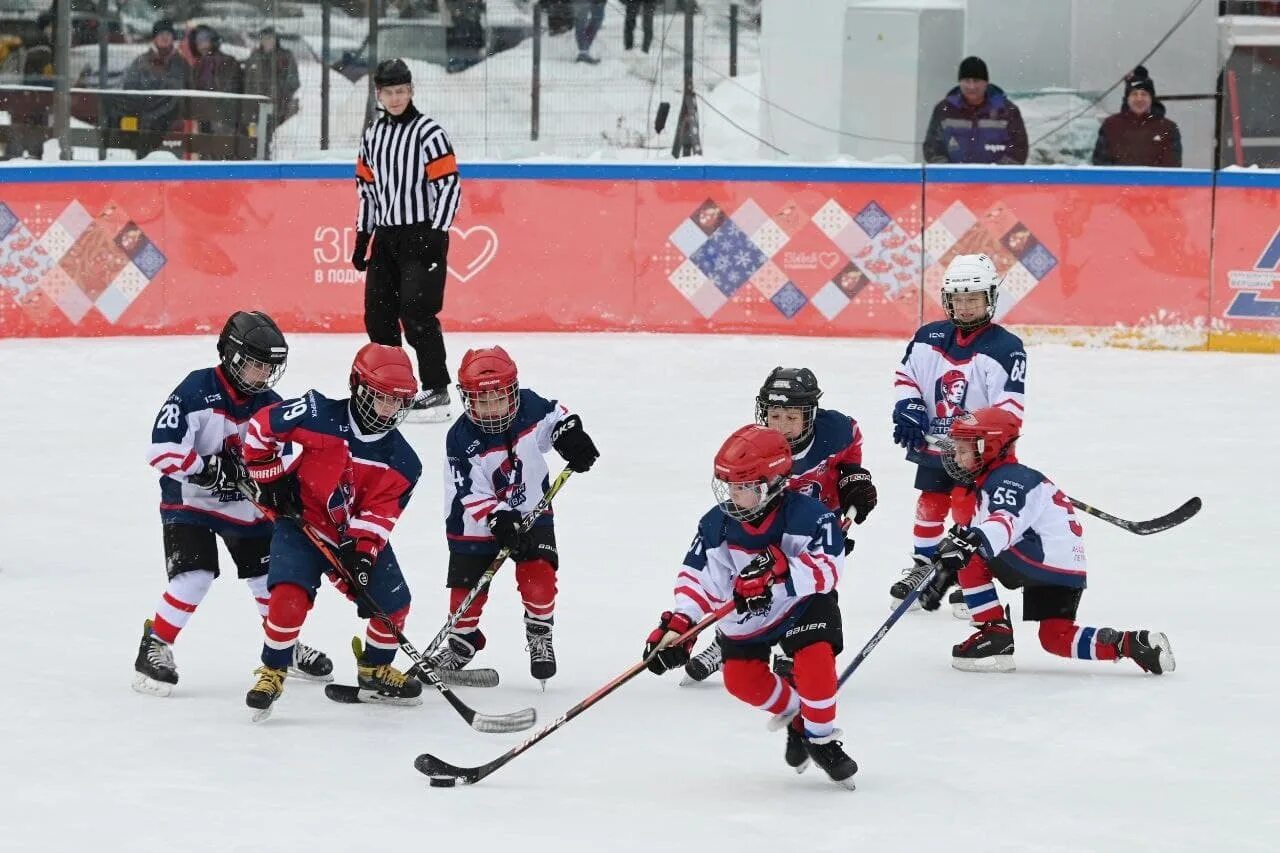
441,782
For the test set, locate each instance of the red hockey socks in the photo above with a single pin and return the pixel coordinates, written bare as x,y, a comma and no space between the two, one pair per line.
180,600
753,682
470,620
536,580
286,612
980,594
931,519
1065,638
815,679
380,643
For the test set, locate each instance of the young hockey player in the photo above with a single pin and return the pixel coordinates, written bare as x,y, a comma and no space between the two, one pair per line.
194,445
777,554
353,476
1027,537
496,469
952,366
826,450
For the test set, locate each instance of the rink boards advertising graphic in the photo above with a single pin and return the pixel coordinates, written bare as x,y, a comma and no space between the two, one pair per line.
72,262
1134,257
1256,292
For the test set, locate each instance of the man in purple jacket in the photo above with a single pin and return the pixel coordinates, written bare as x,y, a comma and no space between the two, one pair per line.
975,123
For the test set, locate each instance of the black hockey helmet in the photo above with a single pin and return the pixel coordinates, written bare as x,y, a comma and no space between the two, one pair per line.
790,388
252,351
391,72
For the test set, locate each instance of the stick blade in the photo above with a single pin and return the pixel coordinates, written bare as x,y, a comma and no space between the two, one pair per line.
443,771
1173,519
516,721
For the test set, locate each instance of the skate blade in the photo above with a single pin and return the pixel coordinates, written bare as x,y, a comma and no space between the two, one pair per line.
800,768
1161,642
373,697
261,713
995,663
294,672
150,687
689,680
846,783
960,611
894,602
434,415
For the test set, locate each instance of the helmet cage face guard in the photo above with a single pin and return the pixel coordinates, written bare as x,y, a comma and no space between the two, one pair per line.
969,325
372,405
238,363
948,446
765,491
810,411
489,421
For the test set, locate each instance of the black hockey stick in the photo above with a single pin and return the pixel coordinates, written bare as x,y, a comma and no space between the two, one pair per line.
483,583
516,721
1144,528
445,775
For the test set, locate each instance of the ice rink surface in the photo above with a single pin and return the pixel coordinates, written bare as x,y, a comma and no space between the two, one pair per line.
1059,756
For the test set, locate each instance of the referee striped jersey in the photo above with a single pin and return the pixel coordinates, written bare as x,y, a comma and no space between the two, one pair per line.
406,173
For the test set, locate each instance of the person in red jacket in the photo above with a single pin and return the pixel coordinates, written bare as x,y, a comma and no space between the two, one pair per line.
1139,135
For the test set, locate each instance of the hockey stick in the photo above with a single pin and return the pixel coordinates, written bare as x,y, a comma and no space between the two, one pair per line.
779,721
1144,528
483,583
445,775
516,721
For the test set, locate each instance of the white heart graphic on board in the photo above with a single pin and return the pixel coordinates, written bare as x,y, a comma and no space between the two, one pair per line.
480,249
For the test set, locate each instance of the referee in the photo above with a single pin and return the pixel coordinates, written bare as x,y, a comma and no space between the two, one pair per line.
407,176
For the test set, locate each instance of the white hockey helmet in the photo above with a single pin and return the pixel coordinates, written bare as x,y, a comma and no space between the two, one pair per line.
970,274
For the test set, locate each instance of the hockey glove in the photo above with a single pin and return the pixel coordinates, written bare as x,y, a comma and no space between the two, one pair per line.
506,526
220,475
753,588
359,568
960,544
856,491
276,489
910,420
670,626
360,257
572,443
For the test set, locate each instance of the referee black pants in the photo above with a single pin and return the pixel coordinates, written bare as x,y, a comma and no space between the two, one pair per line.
405,287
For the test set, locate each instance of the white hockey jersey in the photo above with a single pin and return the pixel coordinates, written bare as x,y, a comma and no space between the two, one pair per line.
954,373
488,472
1029,524
202,417
806,531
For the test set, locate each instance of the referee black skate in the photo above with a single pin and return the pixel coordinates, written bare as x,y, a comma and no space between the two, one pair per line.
407,176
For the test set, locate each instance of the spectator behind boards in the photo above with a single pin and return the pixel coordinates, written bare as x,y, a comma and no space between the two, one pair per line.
1139,135
975,123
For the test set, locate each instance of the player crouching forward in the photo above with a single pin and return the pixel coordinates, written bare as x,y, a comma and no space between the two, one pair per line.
777,554
496,469
194,445
826,450
353,478
1026,537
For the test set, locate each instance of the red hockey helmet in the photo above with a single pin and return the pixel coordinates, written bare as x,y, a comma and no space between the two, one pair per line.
751,470
489,387
984,438
382,387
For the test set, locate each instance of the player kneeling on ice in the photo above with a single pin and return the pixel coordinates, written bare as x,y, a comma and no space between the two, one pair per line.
496,470
777,554
826,451
195,445
1027,537
352,478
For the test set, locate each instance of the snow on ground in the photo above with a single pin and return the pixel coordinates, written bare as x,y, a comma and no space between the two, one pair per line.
1059,756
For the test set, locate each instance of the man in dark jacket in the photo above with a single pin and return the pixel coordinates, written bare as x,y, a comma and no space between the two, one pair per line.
271,70
1139,135
161,67
975,123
